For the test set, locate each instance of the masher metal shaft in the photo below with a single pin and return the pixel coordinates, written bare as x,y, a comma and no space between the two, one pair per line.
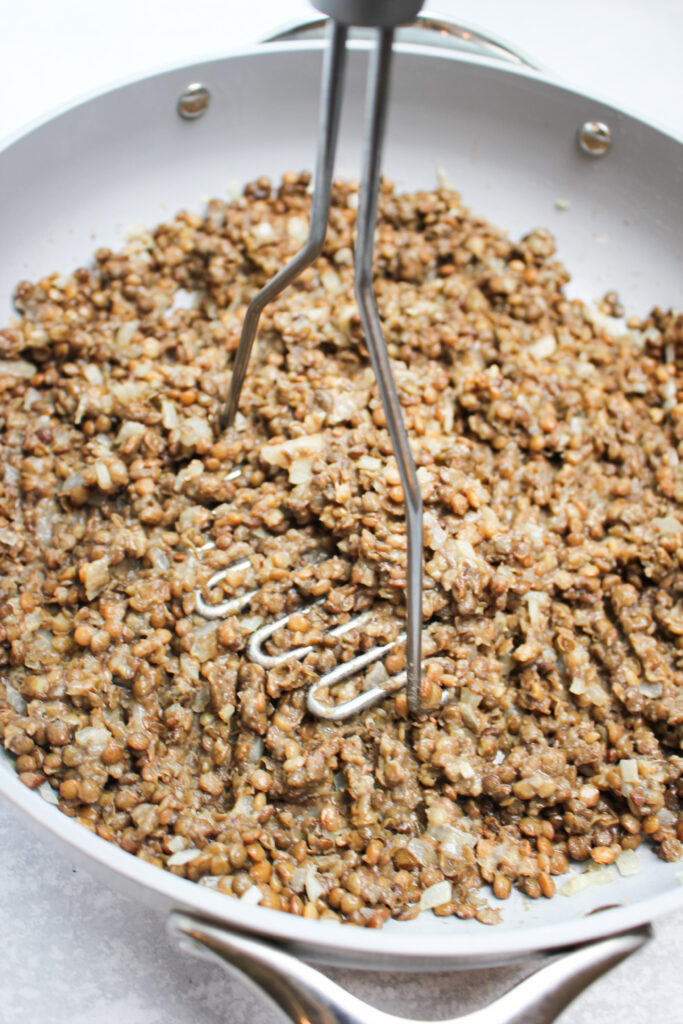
376,111
334,66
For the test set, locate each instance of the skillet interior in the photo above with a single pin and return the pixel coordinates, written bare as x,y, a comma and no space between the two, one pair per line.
507,142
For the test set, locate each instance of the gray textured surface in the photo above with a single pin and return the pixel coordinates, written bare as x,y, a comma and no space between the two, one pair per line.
74,952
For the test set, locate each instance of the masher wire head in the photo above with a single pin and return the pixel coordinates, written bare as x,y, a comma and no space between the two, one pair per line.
383,15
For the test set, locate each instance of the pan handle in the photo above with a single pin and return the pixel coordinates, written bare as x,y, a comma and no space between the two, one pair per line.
307,995
425,30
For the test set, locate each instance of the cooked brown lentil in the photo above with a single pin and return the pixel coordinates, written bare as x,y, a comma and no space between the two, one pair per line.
548,451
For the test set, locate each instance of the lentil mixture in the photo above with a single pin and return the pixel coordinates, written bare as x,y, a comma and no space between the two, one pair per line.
547,439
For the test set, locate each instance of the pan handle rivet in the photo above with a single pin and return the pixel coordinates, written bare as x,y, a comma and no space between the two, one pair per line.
194,101
594,138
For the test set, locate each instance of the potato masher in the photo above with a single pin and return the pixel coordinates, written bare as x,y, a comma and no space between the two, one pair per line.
383,16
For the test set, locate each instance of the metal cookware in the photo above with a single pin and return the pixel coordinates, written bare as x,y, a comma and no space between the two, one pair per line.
523,151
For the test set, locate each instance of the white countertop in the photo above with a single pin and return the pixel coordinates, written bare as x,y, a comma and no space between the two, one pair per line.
76,953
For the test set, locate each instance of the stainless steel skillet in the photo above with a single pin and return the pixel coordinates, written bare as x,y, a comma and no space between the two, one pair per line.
508,140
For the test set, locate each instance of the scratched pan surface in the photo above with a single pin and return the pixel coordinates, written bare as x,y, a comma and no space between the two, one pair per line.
506,138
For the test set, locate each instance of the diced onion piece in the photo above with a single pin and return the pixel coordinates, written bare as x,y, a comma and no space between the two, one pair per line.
536,599
182,857
543,347
629,771
263,233
628,864
244,805
250,623
93,374
598,876
314,889
188,473
210,881
467,697
584,369
670,392
301,471
182,299
226,712
298,879
488,515
331,281
46,516
377,675
435,535
297,229
596,694
95,576
195,429
256,749
369,463
16,368
425,482
11,538
189,666
344,405
103,476
252,896
169,414
176,844
465,549
159,559
48,794
613,325
131,428
204,642
452,840
668,525
30,398
15,700
287,452
343,256
125,333
92,739
420,851
436,895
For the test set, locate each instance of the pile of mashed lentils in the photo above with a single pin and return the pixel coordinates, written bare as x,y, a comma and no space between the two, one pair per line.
547,435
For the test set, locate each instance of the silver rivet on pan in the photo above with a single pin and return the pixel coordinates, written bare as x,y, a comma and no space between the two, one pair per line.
594,138
194,101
